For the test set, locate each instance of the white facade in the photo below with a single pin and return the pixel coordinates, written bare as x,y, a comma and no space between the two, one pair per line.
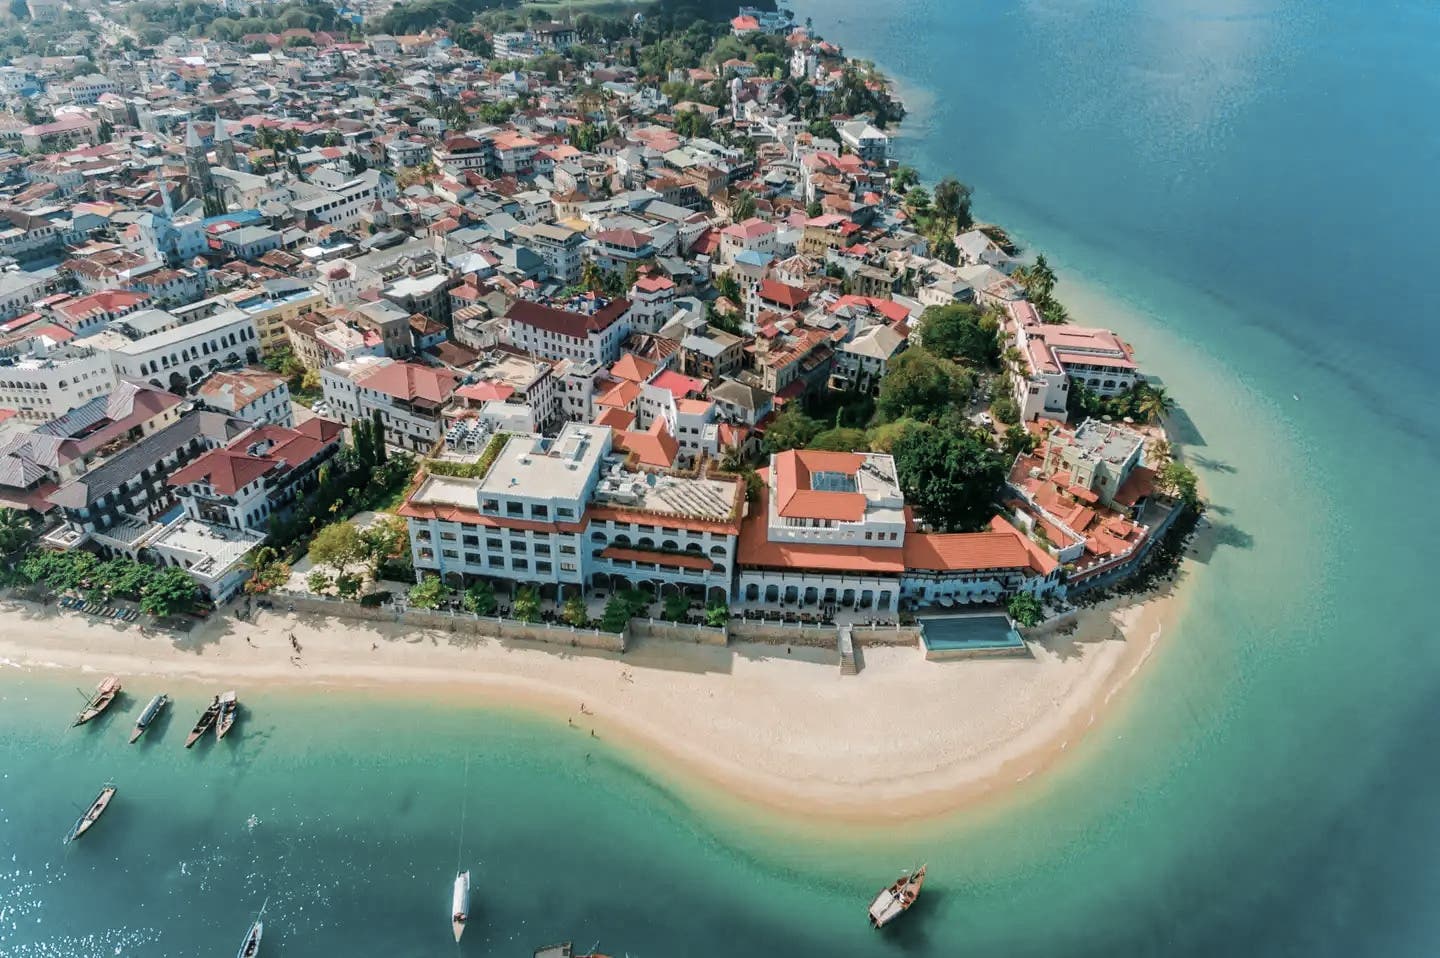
43,381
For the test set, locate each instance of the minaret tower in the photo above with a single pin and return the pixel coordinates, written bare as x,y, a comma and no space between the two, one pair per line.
197,166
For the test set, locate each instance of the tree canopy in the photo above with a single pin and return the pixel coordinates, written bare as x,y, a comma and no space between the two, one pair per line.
792,429
921,386
959,331
949,477
337,545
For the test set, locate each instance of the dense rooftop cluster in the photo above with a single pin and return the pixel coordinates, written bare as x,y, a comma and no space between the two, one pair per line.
622,281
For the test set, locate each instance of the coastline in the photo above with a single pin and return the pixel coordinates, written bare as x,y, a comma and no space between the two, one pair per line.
782,732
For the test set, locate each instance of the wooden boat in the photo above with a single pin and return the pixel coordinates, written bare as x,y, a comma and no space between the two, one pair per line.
565,949
105,693
92,814
250,947
226,718
148,714
895,900
460,905
206,720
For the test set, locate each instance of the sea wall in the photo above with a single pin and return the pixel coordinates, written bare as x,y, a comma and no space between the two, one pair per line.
679,632
460,623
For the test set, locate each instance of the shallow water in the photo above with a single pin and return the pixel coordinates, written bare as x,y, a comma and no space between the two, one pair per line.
1244,191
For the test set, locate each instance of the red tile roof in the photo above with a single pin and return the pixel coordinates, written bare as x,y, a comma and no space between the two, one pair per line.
790,297
231,467
795,499
410,381
563,321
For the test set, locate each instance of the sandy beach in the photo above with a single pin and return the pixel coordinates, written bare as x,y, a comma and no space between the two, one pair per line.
905,739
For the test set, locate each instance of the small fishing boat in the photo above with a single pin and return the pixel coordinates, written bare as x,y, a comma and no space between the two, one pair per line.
226,718
148,714
250,947
565,949
460,905
204,723
895,900
92,814
105,693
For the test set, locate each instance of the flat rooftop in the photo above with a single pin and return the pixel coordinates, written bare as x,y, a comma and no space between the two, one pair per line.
213,549
534,467
1104,440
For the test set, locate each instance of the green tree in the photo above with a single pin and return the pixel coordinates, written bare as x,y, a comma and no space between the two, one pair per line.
16,530
957,332
730,289
347,585
319,581
952,201
1025,609
918,385
592,277
1152,403
268,571
1017,442
843,439
717,614
882,437
428,593
171,592
792,429
337,545
479,598
903,178
383,539
744,206
526,606
917,201
1005,410
677,604
377,435
950,478
1179,480
616,615
814,209
574,611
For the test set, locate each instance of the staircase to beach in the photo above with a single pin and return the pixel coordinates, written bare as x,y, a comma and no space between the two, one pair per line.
846,644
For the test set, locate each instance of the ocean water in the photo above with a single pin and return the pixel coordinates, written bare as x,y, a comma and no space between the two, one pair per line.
1245,191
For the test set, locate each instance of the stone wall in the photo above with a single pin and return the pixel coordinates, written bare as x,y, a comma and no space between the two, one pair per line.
458,622
783,633
679,632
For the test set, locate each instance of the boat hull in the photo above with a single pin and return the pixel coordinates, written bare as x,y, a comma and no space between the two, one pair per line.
206,721
92,814
897,899
460,905
250,947
151,713
104,695
229,705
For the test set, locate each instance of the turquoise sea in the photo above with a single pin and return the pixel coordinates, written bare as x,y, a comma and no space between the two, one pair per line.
1245,190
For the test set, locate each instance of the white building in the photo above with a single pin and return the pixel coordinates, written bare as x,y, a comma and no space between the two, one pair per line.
565,511
560,246
42,380
587,329
1053,359
179,355
251,394
409,397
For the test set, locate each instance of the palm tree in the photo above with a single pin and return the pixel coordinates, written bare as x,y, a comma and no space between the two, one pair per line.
15,530
1154,405
591,277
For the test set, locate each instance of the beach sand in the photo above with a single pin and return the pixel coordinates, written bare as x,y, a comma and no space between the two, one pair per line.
905,739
